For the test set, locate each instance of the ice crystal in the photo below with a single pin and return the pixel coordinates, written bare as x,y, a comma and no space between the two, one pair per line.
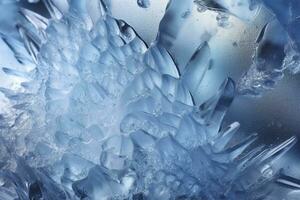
103,116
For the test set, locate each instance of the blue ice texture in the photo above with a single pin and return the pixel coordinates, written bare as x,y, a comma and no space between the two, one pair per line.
103,116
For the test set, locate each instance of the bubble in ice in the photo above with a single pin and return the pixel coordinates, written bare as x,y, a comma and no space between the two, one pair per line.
143,3
186,14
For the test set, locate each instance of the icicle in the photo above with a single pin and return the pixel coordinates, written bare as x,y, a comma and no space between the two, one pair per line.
216,107
183,95
251,157
17,48
225,137
38,21
288,182
14,95
128,33
197,67
230,154
31,45
13,72
277,151
218,104
160,60
239,148
53,9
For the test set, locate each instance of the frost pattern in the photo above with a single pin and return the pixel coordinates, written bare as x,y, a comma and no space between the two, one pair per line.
103,116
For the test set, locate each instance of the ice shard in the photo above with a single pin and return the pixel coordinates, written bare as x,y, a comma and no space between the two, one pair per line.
104,116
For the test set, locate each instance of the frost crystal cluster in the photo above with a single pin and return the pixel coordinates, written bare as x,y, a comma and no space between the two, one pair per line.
99,115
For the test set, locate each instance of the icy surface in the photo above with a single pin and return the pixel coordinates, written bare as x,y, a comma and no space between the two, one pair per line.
103,116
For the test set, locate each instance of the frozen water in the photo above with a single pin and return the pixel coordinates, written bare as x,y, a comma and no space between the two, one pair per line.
268,61
103,116
277,49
